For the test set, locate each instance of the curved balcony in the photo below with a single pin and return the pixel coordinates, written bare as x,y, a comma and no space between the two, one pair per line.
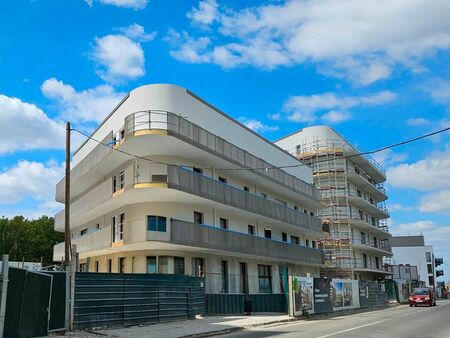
167,123
361,179
178,178
376,209
97,239
368,244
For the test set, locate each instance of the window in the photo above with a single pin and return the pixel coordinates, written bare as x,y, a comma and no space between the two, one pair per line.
298,149
377,262
109,265
156,223
251,229
83,267
307,242
163,264
96,266
121,264
430,268
361,215
374,223
363,238
151,264
97,226
428,254
312,213
294,240
295,207
121,179
267,233
364,261
224,276
197,170
314,245
223,223
115,229
375,242
83,232
264,279
222,179
281,202
247,189
305,211
121,221
244,277
122,134
198,217
198,267
178,265
264,195
284,237
114,184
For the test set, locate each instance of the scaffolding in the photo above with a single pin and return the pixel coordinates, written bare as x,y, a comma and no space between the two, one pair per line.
326,158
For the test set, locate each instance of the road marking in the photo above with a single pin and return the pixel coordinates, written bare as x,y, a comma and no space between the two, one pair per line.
354,328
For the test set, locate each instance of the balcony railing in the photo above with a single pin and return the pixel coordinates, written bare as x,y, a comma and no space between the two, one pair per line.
369,241
380,206
378,227
361,173
362,264
201,138
97,239
188,181
208,237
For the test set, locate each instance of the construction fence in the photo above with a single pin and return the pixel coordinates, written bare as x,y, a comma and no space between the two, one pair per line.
322,295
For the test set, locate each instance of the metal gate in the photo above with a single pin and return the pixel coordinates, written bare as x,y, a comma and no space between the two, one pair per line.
27,304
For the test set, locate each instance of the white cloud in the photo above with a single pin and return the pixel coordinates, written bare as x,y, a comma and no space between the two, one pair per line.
133,4
30,179
137,32
205,14
24,126
335,116
438,201
359,40
418,121
399,207
306,108
439,90
81,106
429,174
388,157
189,49
256,125
118,58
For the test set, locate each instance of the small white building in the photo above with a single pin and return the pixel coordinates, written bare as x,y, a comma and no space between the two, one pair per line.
413,251
183,188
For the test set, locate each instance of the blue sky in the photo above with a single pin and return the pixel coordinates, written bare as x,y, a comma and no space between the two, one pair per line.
377,72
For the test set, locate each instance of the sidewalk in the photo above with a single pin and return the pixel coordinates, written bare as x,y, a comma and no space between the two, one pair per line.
202,326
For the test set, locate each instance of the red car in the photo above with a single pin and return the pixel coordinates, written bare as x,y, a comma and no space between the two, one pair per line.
422,296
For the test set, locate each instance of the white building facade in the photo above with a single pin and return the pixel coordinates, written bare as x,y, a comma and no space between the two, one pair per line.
182,188
352,190
413,251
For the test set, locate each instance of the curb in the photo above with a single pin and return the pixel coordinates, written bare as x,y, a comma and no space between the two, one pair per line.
294,319
238,328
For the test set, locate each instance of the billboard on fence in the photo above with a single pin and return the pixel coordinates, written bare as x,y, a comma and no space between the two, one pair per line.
302,288
344,294
322,298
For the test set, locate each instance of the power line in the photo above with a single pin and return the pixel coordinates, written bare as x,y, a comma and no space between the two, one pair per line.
268,167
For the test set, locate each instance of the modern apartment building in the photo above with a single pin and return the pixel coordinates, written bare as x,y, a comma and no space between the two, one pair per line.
413,251
182,188
351,187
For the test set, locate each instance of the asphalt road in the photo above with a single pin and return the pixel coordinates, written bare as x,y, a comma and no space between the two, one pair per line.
397,322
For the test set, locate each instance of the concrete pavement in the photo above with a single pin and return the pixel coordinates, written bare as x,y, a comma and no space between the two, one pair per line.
399,322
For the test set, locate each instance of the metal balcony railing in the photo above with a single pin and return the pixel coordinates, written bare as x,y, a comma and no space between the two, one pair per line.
369,241
214,238
361,173
367,264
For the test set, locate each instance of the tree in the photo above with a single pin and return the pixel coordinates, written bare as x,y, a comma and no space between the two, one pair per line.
29,240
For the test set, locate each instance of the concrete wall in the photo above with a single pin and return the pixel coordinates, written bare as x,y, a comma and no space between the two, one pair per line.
416,255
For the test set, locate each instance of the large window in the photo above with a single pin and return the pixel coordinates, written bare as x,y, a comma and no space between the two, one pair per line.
178,265
151,264
163,264
156,223
265,279
224,276
198,267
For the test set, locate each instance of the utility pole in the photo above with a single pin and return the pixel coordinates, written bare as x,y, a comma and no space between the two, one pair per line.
67,200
